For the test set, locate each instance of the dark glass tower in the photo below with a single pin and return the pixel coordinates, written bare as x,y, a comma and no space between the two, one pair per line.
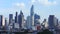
36,19
1,18
20,19
52,21
16,17
10,18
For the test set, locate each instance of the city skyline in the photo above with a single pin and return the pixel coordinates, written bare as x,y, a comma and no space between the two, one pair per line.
44,8
29,16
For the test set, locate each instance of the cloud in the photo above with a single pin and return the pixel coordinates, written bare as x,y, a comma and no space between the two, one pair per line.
45,2
33,1
20,5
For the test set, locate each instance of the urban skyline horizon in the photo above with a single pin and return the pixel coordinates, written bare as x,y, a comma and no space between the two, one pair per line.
27,16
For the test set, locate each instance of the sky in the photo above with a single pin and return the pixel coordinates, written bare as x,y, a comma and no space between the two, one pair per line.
44,8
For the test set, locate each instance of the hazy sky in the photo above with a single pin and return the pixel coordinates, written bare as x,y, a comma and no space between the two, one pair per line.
44,8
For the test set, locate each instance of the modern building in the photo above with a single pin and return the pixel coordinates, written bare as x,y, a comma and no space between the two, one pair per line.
28,23
6,24
36,21
2,22
16,17
52,22
21,19
45,24
10,18
32,16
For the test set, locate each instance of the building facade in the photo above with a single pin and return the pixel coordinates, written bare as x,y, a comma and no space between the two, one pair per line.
16,17
21,19
32,16
10,18
52,21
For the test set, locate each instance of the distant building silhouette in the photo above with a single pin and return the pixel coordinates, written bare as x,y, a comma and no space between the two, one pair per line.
32,15
10,18
16,17
21,19
2,22
52,21
6,25
37,21
28,23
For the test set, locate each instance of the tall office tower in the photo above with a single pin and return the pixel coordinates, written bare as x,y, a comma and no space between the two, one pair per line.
32,15
52,21
28,23
21,19
56,22
10,18
2,22
37,21
6,24
16,17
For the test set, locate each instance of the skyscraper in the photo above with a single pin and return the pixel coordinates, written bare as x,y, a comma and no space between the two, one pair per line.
16,17
10,18
21,19
32,15
2,21
52,21
37,21
28,23
6,24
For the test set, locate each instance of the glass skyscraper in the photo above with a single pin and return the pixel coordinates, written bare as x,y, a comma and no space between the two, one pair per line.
16,17
10,18
21,19
32,15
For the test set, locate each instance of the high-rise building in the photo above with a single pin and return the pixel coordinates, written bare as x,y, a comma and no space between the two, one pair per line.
6,24
28,23
21,19
37,21
16,17
5,21
56,22
32,15
52,21
2,21
10,18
